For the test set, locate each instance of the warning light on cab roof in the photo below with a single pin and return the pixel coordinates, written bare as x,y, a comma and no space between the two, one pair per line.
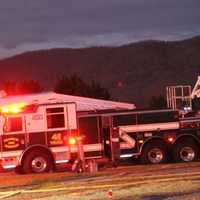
12,108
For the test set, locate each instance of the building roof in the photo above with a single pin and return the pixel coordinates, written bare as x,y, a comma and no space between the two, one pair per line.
83,103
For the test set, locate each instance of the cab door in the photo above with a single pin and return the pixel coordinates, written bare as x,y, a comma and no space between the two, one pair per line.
13,137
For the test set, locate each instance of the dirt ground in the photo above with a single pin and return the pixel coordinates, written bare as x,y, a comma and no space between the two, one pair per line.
136,182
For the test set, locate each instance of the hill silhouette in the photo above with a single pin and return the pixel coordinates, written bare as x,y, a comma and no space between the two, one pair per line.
132,73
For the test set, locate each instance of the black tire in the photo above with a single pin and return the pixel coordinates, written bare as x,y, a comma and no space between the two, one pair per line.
154,153
185,151
37,161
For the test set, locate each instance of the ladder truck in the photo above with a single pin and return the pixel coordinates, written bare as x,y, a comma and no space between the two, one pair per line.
41,136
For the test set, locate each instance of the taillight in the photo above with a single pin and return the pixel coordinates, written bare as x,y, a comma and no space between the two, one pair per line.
170,139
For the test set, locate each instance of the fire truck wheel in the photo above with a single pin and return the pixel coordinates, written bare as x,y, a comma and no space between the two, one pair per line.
154,153
186,151
37,162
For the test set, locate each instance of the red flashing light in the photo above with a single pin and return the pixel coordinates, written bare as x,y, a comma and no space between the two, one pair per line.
170,139
72,141
4,109
12,108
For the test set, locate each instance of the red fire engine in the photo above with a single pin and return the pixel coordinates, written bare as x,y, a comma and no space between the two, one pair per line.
36,137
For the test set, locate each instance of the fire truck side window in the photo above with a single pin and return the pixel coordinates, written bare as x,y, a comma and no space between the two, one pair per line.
13,124
55,117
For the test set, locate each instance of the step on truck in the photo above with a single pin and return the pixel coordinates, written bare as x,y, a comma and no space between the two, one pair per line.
35,138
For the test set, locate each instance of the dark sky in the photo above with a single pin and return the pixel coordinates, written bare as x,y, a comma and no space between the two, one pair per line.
40,24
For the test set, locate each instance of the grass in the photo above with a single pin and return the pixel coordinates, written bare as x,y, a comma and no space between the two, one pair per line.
127,183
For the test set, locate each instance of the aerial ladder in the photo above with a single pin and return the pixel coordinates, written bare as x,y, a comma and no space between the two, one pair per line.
181,96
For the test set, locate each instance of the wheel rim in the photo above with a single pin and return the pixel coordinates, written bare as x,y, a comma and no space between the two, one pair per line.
39,164
187,154
155,155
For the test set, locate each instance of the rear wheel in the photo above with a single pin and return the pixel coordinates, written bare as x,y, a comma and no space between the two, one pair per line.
37,162
186,151
154,153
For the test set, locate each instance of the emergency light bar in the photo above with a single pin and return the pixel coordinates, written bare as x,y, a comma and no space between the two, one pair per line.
12,108
17,108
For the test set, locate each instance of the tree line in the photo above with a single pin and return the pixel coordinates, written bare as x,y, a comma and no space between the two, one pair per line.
71,85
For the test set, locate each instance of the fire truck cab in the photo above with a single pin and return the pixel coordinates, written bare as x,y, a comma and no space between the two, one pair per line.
34,137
